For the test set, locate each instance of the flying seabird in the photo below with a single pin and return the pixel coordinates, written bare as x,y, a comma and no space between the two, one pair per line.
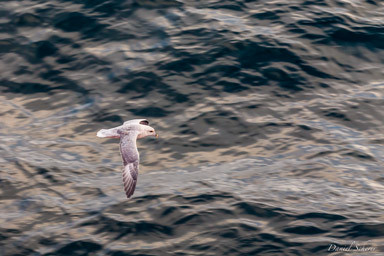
128,133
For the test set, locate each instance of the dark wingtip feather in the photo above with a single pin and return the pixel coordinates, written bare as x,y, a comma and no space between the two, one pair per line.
130,192
130,173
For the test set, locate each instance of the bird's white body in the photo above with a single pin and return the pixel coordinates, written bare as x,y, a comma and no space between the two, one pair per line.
137,126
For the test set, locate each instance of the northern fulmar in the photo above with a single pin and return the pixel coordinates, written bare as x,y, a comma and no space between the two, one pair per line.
128,133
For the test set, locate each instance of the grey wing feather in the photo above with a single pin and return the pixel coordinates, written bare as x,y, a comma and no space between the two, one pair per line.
128,148
130,172
130,157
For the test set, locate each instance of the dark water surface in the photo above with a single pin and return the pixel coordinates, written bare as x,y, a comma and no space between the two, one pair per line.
270,116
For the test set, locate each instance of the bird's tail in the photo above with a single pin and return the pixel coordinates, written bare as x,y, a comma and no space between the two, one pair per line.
108,133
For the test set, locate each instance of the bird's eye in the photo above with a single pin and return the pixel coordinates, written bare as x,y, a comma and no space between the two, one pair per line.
150,131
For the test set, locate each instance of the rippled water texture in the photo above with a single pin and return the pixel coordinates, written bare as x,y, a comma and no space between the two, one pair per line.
270,115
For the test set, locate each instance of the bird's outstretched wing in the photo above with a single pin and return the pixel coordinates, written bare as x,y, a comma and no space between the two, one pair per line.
130,172
130,157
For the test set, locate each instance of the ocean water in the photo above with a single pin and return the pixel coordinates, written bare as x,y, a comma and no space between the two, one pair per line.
270,115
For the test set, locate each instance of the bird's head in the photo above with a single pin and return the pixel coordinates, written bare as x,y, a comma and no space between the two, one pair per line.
146,130
141,126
